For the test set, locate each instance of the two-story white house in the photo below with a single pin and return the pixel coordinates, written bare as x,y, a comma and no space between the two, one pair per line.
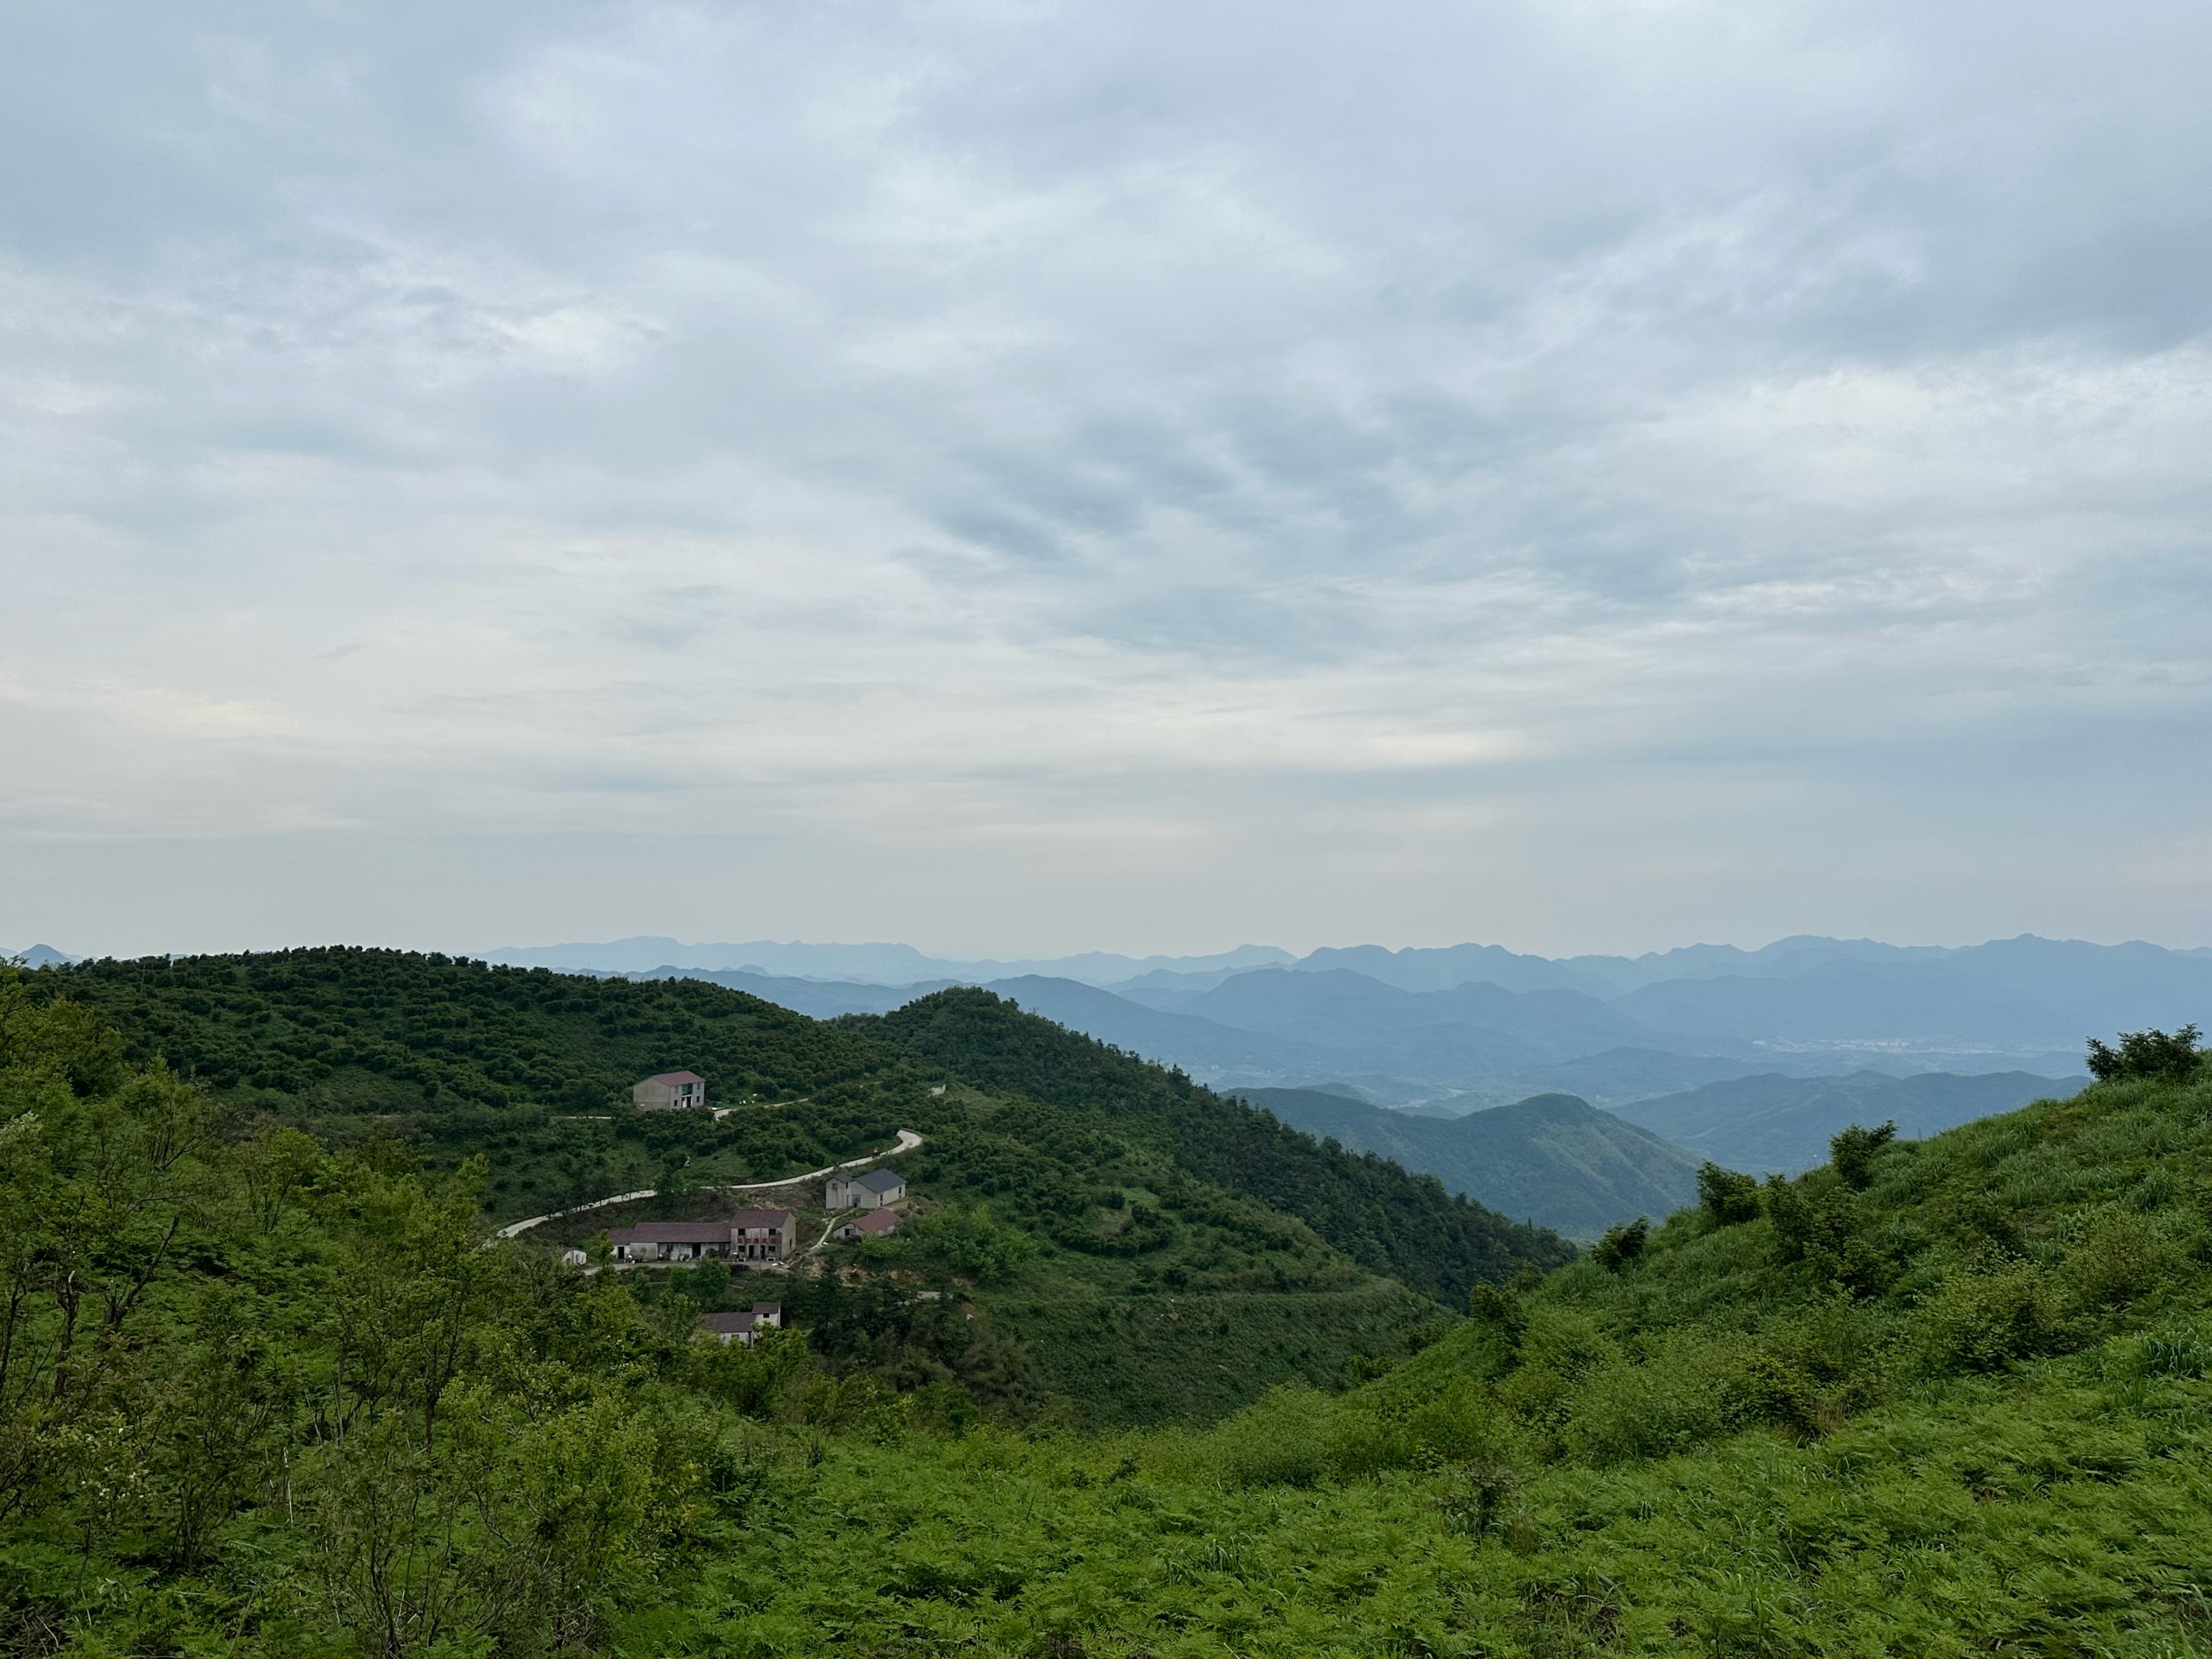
669,1092
869,1190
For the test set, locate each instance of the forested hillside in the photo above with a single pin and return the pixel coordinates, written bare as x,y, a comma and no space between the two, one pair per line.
1146,1250
1366,1207
262,1398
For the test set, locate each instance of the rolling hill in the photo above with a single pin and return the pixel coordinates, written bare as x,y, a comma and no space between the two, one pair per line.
1138,1190
1553,1159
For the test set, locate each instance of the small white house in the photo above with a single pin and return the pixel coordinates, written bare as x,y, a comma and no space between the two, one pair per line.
869,1190
669,1092
743,1328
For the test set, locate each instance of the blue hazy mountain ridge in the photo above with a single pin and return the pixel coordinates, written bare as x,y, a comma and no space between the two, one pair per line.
1540,1025
1200,1047
1926,1004
1805,1007
1553,1157
818,999
868,964
1770,1122
39,956
1609,1077
1207,1048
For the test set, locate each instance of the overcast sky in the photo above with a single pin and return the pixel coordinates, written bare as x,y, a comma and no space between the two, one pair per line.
1028,477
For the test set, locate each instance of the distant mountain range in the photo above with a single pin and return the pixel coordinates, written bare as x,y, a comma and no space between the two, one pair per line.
1375,1021
876,964
1456,1029
1784,1123
1553,1159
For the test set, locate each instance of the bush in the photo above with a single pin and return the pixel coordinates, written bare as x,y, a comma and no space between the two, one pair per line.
1283,1441
972,1241
1767,1388
1980,1322
1727,1197
1853,1153
1479,1494
2115,1255
2173,1057
1675,1398
1621,1245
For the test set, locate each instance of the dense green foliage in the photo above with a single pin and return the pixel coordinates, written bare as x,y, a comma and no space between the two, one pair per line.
531,1068
262,1397
1075,1216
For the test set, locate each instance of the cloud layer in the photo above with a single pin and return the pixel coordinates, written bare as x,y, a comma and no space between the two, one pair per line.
1028,477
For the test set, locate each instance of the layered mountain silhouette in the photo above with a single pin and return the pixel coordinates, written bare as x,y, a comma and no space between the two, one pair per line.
1784,1123
1553,1159
1753,1058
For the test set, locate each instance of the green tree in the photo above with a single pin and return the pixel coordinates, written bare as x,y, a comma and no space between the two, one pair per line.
2174,1055
1726,1197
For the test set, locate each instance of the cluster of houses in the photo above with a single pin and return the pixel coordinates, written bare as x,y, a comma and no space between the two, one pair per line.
745,1236
765,1236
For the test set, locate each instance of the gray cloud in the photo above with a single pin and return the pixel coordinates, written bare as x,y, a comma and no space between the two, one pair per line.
1033,477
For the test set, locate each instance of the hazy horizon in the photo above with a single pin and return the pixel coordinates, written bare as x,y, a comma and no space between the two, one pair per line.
1006,955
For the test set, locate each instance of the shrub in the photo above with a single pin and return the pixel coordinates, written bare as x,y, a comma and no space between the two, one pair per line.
1672,1400
1480,1492
1853,1153
1981,1320
1502,1310
1767,1388
1810,1219
2174,1057
1727,1197
1621,1245
1282,1440
2115,1255
1459,1422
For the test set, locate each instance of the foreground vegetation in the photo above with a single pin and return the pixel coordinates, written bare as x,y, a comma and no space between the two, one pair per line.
264,1394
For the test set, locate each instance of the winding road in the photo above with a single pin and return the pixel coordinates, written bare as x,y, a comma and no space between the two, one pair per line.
907,1140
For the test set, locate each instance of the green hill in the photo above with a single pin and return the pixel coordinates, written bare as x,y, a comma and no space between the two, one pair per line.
1552,1158
263,1398
1366,1206
1173,1253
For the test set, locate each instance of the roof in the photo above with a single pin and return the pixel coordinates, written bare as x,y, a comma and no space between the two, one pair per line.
878,1180
767,1311
728,1324
876,1221
676,1077
758,1219
672,1232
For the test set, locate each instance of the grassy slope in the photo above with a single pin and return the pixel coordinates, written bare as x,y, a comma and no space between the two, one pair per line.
1967,1413
1189,1295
